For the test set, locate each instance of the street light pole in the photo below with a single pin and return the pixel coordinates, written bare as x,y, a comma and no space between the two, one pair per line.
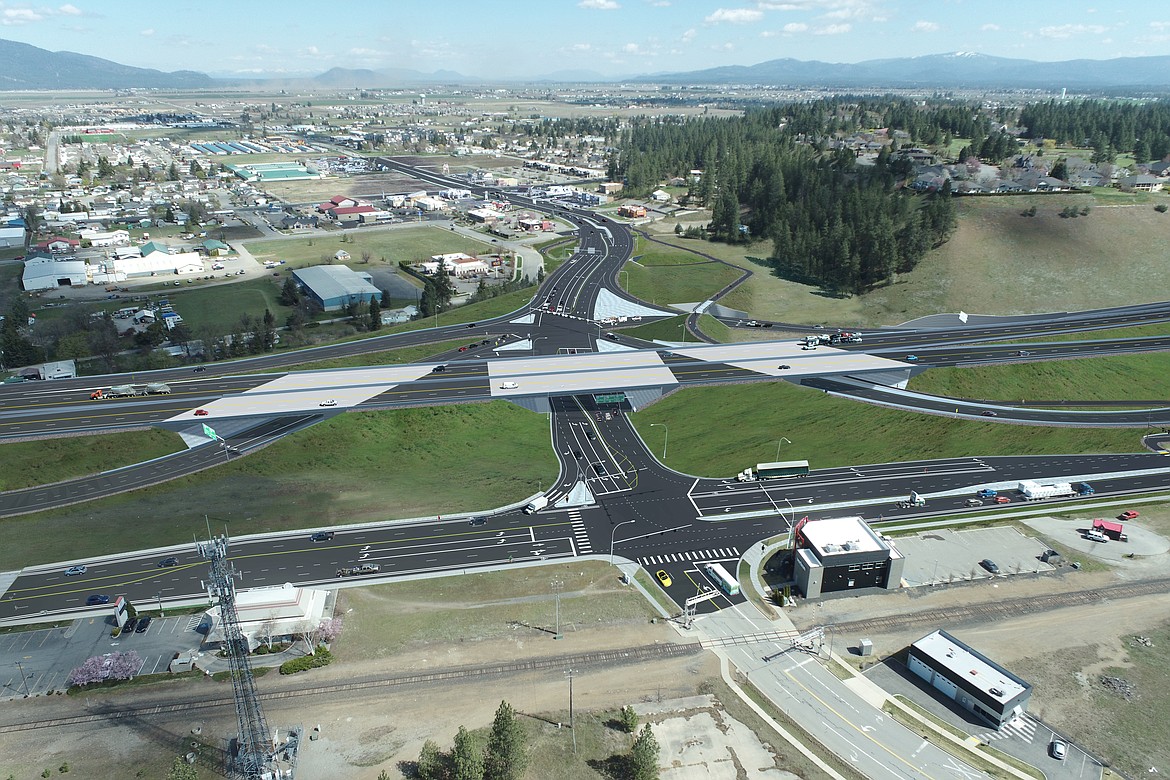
556,586
612,538
158,598
665,437
23,679
782,439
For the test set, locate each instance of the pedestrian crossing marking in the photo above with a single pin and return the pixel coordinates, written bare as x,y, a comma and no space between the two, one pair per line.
722,553
1022,727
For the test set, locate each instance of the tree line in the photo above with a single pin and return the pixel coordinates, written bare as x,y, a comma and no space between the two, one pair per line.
771,175
1143,129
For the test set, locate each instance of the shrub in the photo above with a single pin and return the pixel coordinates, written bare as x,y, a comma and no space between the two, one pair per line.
320,657
1161,208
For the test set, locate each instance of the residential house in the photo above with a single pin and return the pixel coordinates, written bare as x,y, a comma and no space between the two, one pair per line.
1142,182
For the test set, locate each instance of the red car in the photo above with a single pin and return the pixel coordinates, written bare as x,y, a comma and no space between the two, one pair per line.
1002,500
1128,514
463,349
201,412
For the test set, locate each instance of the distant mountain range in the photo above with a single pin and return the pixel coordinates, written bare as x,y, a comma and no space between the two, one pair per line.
25,67
28,67
947,71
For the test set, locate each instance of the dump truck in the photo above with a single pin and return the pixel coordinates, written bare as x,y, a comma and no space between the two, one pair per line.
1035,491
117,391
158,388
357,571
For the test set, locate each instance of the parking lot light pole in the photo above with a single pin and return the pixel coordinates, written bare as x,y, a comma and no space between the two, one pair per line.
665,437
158,598
613,536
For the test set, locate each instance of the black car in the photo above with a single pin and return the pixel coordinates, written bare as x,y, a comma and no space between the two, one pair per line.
130,625
143,624
438,369
477,521
97,598
590,435
783,366
988,413
199,369
321,536
600,470
166,563
472,324
989,564
577,453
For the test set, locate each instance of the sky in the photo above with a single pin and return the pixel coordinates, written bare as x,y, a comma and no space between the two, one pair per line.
517,39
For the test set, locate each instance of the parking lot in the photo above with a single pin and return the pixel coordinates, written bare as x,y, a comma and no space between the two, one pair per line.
947,555
35,662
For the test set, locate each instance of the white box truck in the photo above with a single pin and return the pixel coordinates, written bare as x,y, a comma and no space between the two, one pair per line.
537,504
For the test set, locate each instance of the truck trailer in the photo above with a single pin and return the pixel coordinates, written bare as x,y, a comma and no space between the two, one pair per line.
158,388
117,391
1035,491
787,468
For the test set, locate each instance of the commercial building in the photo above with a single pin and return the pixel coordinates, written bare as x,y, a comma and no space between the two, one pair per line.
278,613
969,678
843,554
48,273
335,286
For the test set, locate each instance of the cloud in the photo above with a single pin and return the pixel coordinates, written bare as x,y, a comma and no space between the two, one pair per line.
581,47
15,16
599,5
659,3
69,10
990,28
795,27
1069,30
735,16
833,29
1160,25
688,35
923,26
149,31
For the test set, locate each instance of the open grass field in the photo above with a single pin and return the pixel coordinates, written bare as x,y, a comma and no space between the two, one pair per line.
716,431
997,262
410,244
663,276
1121,378
224,304
53,460
389,357
353,468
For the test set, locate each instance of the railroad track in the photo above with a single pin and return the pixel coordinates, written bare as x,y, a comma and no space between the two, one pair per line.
455,674
1002,610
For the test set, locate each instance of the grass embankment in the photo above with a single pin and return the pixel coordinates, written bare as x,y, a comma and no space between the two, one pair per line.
355,467
54,460
665,275
997,262
716,431
1119,378
389,357
478,606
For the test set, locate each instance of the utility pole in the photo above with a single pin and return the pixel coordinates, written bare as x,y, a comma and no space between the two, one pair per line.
569,673
557,585
24,682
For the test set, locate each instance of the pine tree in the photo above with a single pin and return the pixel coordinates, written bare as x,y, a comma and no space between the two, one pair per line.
375,320
505,759
643,756
466,757
430,762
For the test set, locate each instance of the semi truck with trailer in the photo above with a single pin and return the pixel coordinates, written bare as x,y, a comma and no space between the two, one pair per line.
117,391
158,388
777,470
1032,490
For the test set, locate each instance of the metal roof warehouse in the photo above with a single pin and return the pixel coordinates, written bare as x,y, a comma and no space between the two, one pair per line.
334,286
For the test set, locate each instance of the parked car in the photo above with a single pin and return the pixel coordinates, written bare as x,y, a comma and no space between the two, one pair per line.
989,564
143,624
1059,749
1128,514
97,598
664,578
73,571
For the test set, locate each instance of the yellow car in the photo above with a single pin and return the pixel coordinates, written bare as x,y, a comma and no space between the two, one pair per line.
663,577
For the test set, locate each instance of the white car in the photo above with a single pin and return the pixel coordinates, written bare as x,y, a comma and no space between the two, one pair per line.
328,402
508,385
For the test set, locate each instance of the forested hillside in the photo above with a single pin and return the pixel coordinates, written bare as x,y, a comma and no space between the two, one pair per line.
770,174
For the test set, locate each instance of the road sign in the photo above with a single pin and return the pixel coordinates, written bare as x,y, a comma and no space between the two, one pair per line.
209,432
612,398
